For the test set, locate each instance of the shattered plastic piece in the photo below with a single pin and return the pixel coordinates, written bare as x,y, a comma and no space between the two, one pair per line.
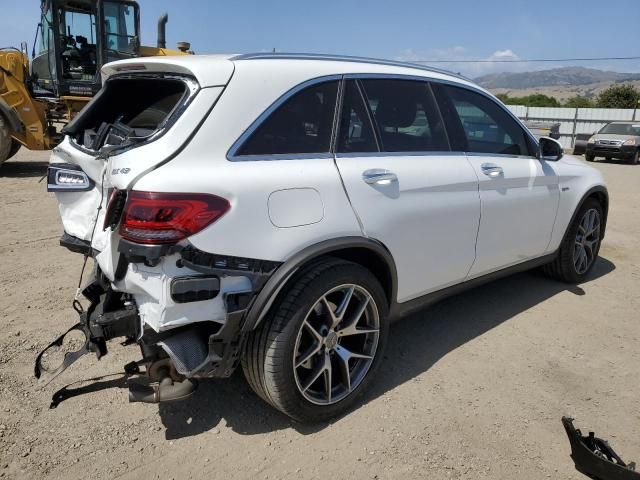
69,357
594,457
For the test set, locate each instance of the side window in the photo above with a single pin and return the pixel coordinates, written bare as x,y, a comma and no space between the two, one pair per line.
406,116
486,126
356,132
302,124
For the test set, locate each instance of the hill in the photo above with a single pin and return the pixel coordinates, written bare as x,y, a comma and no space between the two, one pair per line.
557,77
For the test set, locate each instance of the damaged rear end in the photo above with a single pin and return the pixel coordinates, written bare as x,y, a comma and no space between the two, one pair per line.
150,286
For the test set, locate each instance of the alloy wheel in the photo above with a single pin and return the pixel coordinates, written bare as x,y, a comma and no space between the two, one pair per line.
587,241
336,344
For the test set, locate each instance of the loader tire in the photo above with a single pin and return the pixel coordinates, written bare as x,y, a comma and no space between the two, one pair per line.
15,148
6,142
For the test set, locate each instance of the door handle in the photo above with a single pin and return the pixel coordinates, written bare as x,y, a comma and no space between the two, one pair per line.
492,170
379,175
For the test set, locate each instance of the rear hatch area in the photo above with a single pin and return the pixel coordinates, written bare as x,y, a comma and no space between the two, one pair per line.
147,111
131,110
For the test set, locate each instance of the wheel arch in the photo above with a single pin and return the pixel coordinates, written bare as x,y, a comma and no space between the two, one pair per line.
367,252
600,194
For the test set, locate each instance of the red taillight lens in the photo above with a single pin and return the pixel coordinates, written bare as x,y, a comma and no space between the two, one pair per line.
158,218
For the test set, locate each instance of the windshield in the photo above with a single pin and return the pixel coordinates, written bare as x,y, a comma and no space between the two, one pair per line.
78,41
120,27
622,129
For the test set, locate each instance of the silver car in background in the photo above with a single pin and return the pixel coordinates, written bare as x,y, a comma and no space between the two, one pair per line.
619,140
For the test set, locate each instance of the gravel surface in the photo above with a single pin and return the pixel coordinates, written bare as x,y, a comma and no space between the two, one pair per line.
472,388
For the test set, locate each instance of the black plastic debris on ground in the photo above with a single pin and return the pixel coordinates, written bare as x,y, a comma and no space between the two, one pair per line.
594,457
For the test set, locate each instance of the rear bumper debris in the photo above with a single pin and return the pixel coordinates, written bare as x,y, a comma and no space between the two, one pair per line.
594,457
185,309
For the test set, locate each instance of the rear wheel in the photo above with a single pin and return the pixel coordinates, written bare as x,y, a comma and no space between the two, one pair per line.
6,142
579,249
318,349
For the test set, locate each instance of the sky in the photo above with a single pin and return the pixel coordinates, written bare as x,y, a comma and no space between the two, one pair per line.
398,29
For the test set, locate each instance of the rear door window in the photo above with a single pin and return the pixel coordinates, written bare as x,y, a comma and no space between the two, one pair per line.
356,131
406,116
301,125
479,125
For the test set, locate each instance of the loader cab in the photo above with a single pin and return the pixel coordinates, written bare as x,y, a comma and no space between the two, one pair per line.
77,37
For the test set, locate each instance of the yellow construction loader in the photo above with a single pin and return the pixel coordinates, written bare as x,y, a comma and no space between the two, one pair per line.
75,38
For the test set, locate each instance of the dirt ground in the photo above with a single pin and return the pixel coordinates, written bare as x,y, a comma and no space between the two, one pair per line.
473,388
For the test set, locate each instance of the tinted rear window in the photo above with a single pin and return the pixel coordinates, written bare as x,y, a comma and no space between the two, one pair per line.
356,131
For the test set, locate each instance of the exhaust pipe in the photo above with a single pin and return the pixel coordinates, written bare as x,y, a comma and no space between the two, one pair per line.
162,30
166,391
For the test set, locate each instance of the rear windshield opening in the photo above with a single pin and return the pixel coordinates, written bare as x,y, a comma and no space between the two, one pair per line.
127,111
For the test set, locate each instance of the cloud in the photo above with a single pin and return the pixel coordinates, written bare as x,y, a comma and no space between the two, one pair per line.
460,57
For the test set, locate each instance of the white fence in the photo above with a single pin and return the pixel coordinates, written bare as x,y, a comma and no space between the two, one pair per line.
574,121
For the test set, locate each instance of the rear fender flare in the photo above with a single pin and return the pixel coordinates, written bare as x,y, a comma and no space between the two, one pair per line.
265,299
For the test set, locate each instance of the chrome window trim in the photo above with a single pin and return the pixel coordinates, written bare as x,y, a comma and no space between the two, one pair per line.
361,76
232,153
345,58
280,156
431,153
502,155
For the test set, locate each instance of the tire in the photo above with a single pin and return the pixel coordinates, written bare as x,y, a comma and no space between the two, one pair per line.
608,159
6,142
589,158
569,265
273,359
15,148
635,159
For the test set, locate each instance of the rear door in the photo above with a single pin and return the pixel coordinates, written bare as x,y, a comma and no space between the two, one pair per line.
519,193
408,189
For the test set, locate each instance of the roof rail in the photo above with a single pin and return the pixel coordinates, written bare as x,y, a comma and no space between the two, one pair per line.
343,58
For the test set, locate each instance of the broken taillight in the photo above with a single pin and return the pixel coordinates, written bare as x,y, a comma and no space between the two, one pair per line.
115,207
160,218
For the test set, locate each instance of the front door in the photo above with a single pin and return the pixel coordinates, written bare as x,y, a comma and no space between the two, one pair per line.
519,194
407,188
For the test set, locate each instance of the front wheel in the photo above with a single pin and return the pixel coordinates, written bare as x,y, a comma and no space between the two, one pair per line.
321,344
636,158
590,158
580,247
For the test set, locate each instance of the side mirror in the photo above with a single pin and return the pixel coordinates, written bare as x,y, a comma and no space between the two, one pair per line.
549,149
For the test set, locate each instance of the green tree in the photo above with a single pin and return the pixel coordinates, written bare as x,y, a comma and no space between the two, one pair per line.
540,100
619,96
535,100
579,102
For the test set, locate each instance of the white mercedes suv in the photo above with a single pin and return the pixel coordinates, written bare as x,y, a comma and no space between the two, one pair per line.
279,211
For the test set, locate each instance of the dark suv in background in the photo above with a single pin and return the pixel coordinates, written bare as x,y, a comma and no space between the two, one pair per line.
616,140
